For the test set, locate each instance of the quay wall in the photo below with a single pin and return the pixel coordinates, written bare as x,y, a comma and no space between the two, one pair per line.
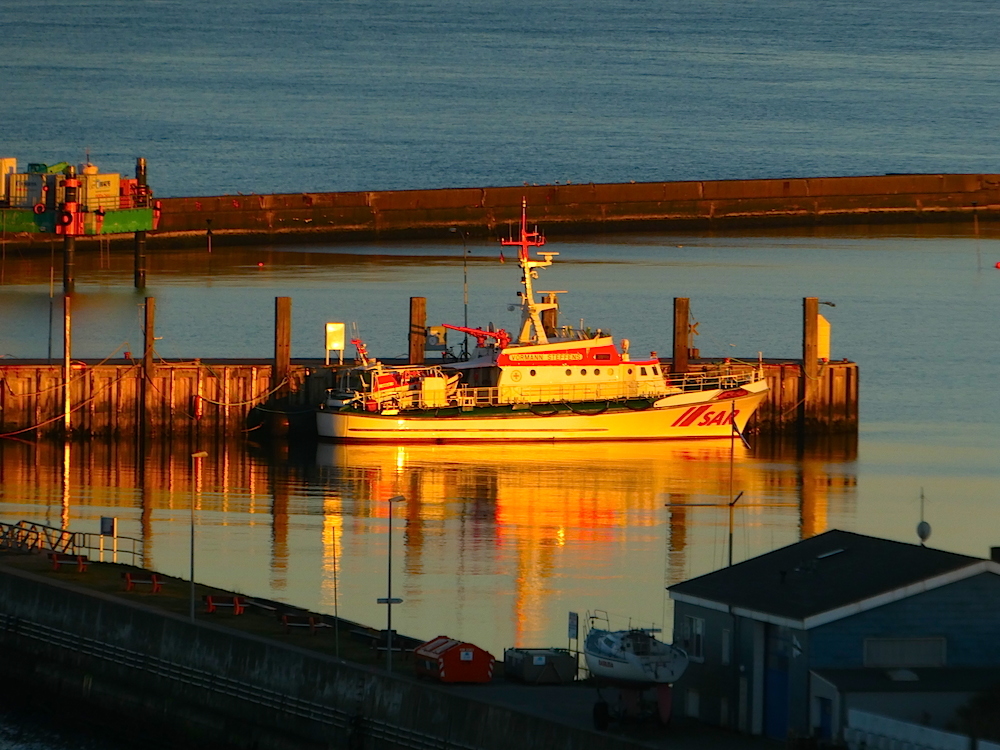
206,685
567,209
226,398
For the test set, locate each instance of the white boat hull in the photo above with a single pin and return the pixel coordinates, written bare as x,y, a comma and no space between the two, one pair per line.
684,416
659,664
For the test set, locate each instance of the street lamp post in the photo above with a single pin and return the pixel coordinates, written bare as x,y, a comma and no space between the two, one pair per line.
195,465
388,601
465,289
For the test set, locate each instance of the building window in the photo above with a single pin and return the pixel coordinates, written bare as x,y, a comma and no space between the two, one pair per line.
694,637
905,652
727,646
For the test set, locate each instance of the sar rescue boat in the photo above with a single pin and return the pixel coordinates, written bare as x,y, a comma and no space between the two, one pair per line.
549,383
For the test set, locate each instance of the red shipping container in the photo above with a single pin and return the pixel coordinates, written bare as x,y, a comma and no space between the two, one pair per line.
448,660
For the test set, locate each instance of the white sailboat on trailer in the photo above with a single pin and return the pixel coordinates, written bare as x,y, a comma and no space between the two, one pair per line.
632,660
550,383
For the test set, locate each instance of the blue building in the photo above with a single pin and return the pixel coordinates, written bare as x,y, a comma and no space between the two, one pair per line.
783,644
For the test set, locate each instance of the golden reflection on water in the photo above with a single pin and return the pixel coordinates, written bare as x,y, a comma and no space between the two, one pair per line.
494,544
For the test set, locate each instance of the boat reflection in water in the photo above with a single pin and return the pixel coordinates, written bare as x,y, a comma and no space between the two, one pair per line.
495,543
530,531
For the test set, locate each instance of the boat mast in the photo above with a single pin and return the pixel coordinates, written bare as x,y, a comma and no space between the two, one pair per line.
530,310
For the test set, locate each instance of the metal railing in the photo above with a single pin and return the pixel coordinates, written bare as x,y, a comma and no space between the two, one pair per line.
28,537
97,546
724,378
25,536
727,376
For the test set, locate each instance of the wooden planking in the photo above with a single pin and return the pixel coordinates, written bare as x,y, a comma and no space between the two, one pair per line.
189,399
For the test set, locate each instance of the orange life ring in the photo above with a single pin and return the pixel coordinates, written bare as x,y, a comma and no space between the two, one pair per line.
39,208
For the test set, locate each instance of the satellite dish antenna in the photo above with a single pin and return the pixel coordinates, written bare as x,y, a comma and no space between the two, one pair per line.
923,528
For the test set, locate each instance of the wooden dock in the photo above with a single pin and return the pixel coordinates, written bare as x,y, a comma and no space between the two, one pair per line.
220,398
184,399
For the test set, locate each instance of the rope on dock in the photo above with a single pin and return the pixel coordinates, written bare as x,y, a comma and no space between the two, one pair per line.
76,407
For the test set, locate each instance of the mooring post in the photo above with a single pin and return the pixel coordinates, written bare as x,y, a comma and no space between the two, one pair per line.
682,334
418,329
67,370
68,217
140,259
69,261
282,345
810,359
140,236
148,342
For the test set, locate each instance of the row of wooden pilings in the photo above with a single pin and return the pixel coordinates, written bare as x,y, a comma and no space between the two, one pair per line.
150,396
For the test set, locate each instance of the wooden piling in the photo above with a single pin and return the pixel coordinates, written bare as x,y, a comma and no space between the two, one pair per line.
682,334
67,369
282,345
810,359
143,419
139,261
69,263
418,329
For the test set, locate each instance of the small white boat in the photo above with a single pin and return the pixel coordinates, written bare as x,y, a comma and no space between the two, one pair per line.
632,657
550,383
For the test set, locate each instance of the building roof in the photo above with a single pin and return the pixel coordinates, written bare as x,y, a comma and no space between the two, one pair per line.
827,577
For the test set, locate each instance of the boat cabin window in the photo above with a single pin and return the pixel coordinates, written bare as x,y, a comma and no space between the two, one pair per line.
656,370
583,372
602,356
569,372
597,371
642,370
350,381
629,371
482,377
608,642
532,373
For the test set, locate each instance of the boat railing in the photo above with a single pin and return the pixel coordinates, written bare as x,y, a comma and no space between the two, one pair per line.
568,333
541,394
727,376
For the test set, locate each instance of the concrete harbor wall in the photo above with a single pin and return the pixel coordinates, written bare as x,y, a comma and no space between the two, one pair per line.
202,684
568,209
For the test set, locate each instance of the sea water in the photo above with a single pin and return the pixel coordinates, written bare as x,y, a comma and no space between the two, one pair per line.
254,97
258,97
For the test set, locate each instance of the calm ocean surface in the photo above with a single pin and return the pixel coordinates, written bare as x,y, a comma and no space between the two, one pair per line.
496,546
356,95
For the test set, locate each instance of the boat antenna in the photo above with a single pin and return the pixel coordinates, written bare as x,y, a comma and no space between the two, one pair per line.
923,528
532,329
